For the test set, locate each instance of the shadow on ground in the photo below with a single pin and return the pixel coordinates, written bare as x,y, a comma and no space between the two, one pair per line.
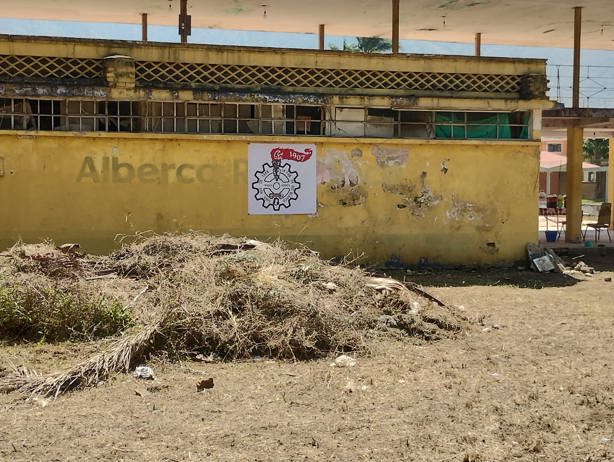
601,259
483,277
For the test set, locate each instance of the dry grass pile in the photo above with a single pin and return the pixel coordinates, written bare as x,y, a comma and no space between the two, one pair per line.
42,300
235,299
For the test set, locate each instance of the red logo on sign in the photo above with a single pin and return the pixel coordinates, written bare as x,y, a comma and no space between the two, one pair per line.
290,154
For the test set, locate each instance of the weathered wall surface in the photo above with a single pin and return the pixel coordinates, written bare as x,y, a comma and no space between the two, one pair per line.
450,202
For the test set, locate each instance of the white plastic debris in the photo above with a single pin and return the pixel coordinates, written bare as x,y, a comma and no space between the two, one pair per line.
144,372
40,401
344,361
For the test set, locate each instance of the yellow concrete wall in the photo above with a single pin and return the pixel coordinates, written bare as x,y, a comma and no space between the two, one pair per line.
224,54
450,201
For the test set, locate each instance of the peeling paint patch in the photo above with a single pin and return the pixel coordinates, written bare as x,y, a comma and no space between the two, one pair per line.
390,157
53,90
350,196
418,202
337,170
424,201
470,213
337,167
403,189
463,211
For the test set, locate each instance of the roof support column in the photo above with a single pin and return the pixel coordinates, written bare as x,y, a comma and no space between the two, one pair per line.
610,197
577,44
321,32
478,44
575,141
185,21
144,27
395,25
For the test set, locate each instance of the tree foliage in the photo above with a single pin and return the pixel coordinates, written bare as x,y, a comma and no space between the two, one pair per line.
596,151
366,45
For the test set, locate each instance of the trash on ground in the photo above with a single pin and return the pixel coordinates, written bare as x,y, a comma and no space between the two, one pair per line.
204,384
144,372
344,361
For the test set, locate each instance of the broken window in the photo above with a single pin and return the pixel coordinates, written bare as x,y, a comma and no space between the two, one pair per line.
416,124
258,118
348,121
380,123
554,147
117,116
16,114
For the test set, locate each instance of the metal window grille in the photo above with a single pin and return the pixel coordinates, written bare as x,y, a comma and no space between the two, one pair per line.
250,118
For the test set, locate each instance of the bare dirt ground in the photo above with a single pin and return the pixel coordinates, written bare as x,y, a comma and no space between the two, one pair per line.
533,382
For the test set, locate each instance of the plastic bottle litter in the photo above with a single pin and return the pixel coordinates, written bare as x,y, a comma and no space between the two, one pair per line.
144,372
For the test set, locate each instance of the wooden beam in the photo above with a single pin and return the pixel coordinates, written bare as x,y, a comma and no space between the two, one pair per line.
478,44
395,25
144,27
577,46
321,32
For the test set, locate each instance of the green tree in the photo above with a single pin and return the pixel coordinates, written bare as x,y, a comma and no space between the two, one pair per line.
596,151
366,45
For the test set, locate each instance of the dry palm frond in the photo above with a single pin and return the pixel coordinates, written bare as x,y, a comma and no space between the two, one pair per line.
120,356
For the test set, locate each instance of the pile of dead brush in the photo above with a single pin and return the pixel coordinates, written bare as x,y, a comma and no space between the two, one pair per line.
226,298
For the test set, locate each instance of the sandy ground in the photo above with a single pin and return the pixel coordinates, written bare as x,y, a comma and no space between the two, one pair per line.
534,382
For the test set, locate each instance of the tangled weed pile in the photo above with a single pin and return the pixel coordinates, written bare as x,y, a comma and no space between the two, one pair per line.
41,299
235,299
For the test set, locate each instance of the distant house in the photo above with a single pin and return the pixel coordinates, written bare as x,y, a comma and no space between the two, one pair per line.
553,172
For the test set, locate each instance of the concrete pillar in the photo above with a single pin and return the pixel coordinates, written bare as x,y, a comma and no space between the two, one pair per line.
321,34
575,154
395,25
611,180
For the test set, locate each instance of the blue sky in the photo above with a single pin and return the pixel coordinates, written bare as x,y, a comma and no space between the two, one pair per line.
598,79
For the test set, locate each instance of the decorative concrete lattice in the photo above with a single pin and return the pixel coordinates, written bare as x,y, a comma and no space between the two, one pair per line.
149,72
45,67
228,75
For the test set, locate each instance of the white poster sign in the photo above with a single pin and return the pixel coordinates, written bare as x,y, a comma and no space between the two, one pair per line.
281,179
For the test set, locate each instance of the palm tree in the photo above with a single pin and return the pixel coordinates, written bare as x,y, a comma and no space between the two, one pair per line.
366,45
